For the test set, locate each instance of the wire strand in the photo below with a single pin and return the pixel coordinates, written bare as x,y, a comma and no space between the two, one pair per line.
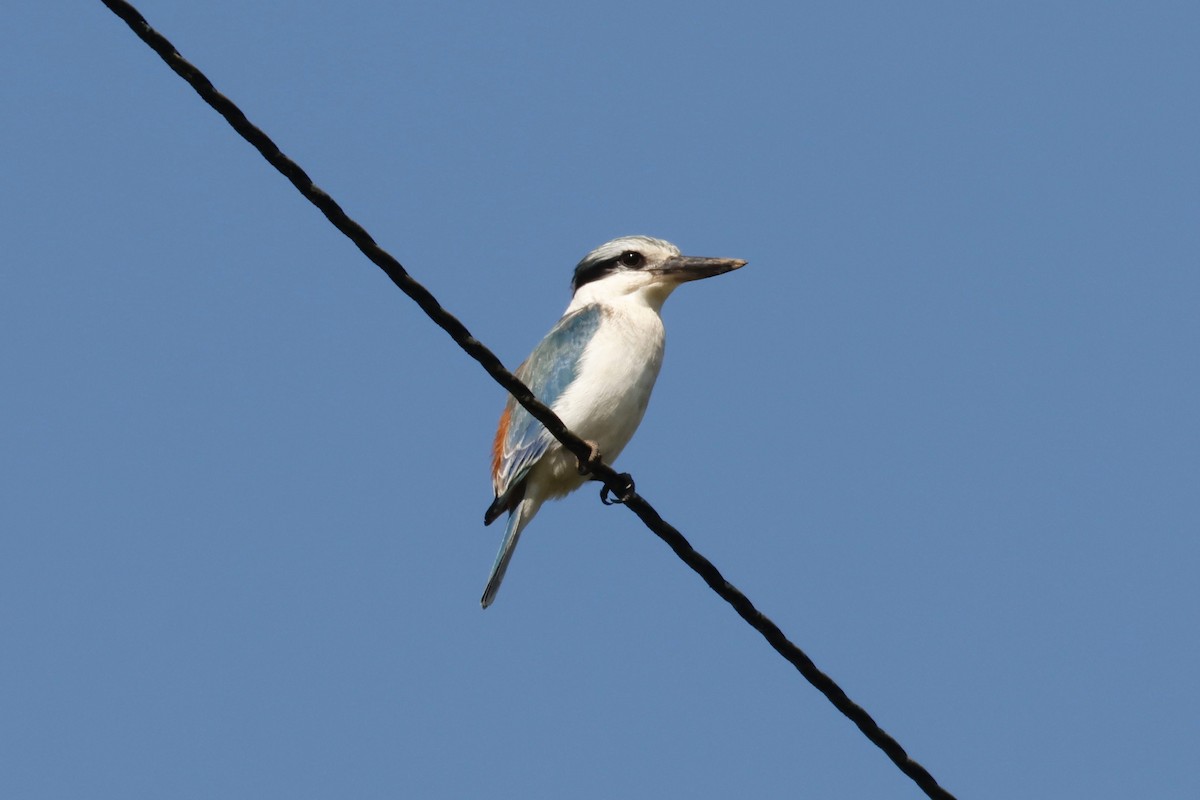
617,483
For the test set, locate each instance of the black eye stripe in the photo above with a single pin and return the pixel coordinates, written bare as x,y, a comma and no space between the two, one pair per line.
586,273
588,270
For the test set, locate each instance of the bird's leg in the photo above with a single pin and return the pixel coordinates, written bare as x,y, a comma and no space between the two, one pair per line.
586,467
623,495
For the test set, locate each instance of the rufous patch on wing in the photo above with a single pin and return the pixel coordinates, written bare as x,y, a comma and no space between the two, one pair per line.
498,443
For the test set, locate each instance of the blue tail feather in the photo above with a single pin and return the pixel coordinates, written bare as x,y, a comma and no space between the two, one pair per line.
518,518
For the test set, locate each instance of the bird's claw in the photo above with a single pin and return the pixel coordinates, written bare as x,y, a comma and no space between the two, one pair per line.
623,496
586,467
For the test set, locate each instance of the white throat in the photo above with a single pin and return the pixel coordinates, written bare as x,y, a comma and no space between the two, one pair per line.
625,288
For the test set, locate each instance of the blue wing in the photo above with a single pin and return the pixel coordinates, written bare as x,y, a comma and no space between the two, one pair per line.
549,370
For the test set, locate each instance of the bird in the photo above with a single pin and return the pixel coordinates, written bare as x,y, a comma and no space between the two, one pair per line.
595,369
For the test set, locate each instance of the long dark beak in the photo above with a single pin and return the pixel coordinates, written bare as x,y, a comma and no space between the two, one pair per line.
691,268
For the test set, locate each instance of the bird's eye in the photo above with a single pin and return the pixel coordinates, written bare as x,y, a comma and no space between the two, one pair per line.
632,258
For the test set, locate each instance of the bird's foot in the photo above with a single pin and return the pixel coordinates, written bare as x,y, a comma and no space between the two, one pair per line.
624,495
586,467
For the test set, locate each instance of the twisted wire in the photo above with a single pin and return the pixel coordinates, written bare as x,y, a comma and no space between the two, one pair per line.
617,483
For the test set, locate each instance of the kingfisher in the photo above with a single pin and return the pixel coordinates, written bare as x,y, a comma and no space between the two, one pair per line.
595,369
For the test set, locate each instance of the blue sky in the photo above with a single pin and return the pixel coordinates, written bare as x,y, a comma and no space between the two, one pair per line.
943,429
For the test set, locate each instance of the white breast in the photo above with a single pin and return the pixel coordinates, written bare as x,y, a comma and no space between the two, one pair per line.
607,400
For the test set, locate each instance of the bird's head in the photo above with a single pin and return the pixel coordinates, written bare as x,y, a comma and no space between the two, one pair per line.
641,264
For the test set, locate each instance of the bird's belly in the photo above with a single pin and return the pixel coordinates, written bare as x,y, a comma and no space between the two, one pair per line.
606,402
611,429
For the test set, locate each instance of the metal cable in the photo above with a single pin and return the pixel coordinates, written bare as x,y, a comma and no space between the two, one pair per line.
619,484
